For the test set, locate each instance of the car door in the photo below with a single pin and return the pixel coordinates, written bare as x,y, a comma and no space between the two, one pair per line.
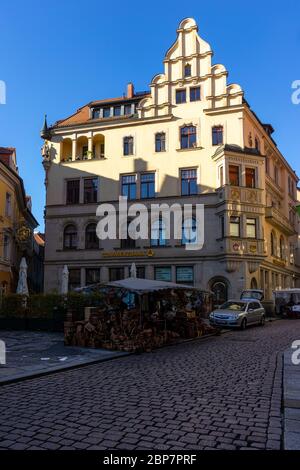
251,313
259,310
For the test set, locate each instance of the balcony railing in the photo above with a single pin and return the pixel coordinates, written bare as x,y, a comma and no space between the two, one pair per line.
280,221
240,194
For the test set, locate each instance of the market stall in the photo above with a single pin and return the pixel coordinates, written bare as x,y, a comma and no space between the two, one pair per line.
140,315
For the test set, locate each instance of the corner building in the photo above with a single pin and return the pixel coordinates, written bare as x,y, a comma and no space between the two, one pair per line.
192,138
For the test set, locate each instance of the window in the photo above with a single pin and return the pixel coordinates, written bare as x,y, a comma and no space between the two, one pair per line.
163,273
106,112
8,205
234,175
92,276
282,248
91,239
267,165
187,70
90,192
84,151
96,113
73,191
70,237
185,275
74,279
189,182
291,187
117,111
147,185
6,247
292,254
140,272
250,178
129,186
115,274
180,96
257,144
160,142
128,146
158,233
251,228
273,244
127,242
127,109
292,217
221,176
189,231
217,135
235,226
188,137
222,221
276,174
195,94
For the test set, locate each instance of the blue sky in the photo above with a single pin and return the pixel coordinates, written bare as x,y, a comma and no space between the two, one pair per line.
57,56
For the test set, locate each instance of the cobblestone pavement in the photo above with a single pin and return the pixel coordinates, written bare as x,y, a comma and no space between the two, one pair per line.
221,393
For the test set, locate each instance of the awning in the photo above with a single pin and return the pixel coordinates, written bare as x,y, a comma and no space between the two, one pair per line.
141,286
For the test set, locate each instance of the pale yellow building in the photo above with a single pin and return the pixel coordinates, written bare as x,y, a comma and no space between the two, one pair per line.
192,138
16,223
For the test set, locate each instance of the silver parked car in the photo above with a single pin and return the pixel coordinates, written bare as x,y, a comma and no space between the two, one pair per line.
238,314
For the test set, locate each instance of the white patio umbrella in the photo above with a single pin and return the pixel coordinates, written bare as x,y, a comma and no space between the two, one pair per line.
22,283
65,280
133,270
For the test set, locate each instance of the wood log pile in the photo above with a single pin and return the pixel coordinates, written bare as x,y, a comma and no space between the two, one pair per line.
126,331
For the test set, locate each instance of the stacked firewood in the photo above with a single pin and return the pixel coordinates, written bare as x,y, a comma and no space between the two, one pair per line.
127,331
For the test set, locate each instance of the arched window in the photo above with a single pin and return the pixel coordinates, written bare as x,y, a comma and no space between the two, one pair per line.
219,287
254,284
158,233
188,137
189,231
187,70
273,244
91,239
70,237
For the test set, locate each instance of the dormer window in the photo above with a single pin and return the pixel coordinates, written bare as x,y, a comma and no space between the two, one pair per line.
117,111
106,112
96,113
127,109
187,70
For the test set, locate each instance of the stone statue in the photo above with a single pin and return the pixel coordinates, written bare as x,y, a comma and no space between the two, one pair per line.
45,151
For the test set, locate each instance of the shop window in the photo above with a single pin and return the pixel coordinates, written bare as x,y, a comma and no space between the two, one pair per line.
185,275
163,273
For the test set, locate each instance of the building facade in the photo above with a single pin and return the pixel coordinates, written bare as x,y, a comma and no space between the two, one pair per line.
192,138
17,223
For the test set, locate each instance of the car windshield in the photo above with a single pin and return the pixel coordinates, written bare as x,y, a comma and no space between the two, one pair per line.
250,294
234,306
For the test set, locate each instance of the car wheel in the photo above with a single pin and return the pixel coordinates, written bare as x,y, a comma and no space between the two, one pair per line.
263,321
244,324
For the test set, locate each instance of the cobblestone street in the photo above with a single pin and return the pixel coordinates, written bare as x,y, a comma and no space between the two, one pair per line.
221,393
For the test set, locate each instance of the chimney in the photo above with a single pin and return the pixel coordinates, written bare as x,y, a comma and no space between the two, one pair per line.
130,90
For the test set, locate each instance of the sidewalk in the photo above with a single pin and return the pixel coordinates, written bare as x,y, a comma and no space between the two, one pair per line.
33,354
291,402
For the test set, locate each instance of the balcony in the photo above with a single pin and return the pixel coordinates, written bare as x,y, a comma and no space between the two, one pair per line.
240,195
278,220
